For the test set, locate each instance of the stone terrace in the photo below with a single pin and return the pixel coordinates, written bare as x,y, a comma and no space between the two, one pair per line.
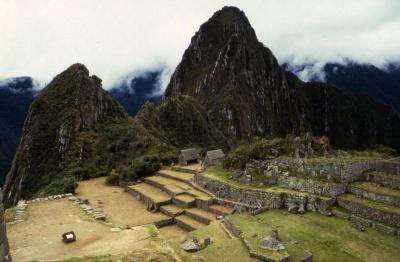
171,192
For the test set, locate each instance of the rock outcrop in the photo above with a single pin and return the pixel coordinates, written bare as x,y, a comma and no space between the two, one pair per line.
72,102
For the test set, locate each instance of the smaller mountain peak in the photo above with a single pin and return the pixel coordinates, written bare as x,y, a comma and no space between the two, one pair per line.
78,67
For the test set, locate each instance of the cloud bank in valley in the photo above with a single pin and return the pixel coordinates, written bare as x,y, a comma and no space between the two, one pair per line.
120,38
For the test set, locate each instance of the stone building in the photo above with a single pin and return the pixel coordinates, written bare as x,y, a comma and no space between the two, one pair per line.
189,156
213,157
4,247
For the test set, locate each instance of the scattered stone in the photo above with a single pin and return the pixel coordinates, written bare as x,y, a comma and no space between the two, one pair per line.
219,217
100,217
358,226
237,209
115,229
69,237
191,244
272,242
72,198
293,208
301,209
207,241
295,242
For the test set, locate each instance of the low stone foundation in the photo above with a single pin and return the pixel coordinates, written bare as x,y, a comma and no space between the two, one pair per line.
4,246
255,197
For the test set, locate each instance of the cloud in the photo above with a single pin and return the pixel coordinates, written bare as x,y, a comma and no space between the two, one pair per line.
120,38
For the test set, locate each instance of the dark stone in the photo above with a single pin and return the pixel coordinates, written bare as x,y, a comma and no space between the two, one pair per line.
69,237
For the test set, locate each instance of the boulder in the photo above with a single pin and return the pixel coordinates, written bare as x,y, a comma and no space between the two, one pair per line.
272,242
191,244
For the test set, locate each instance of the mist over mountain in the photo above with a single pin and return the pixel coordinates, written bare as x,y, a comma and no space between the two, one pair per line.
382,84
134,92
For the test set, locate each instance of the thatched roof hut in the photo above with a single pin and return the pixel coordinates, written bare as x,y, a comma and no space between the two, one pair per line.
213,157
188,156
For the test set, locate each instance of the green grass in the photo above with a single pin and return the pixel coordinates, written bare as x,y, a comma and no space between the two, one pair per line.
327,238
371,203
372,187
9,214
223,175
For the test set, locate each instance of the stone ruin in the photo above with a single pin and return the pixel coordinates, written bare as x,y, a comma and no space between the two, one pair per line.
4,246
272,242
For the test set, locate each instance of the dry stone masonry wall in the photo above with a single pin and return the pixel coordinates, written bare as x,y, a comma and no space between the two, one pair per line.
255,197
4,246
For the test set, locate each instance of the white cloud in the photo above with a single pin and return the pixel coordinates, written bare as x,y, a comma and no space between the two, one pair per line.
116,38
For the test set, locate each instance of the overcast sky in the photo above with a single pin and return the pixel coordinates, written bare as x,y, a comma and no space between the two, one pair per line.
118,38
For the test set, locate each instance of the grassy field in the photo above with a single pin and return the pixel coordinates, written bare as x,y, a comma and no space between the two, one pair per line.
327,238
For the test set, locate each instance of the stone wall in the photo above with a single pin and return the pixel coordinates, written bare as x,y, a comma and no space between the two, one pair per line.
337,171
377,196
312,186
389,218
4,247
268,199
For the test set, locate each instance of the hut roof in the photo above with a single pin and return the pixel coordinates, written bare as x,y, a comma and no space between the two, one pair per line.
189,154
215,154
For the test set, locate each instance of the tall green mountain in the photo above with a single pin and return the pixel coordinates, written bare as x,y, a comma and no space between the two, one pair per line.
238,82
72,102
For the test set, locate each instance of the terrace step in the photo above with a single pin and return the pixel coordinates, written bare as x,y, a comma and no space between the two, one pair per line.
181,176
200,215
150,195
172,210
376,192
188,223
370,209
162,181
184,201
219,210
384,179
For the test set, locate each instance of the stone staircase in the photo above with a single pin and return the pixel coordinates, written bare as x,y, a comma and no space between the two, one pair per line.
374,202
171,193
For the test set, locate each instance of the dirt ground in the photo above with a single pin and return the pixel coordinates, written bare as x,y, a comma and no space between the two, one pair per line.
120,207
172,231
39,237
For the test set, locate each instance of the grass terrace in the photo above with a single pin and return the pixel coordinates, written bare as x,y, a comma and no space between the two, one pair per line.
327,238
372,187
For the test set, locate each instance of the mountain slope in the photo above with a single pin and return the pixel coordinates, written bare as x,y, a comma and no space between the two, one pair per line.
72,102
